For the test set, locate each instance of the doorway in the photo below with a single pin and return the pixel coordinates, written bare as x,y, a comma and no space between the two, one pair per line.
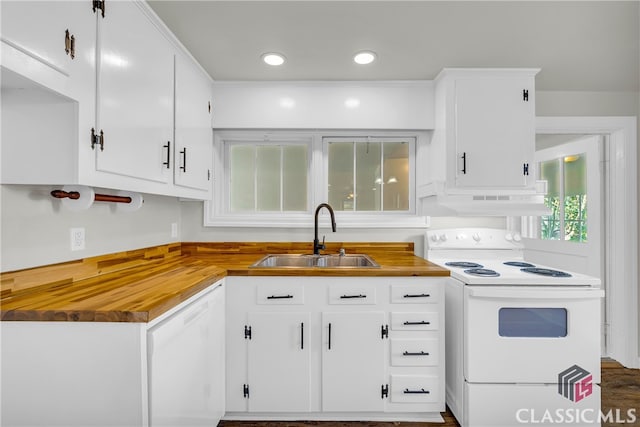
570,238
619,224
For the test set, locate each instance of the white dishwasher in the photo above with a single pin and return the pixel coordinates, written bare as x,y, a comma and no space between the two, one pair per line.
186,364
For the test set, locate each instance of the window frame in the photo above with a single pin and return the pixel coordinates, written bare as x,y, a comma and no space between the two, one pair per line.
217,210
411,140
254,143
531,225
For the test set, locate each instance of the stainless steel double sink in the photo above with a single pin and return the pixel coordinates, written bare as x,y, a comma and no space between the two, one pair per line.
316,261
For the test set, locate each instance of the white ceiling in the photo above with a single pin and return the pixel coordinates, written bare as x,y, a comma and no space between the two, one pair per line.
582,46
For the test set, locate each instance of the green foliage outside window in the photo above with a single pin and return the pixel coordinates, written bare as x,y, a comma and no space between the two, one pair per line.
566,178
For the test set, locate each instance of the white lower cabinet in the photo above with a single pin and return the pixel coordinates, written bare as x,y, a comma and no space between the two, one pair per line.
278,362
353,361
335,348
168,372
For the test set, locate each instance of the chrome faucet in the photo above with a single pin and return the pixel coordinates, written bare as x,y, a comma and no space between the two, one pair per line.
317,246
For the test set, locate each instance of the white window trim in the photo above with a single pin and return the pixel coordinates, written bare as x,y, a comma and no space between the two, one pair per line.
216,212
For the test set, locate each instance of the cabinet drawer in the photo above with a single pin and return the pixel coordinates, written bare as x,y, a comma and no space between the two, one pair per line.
280,294
416,321
414,294
414,389
352,295
414,352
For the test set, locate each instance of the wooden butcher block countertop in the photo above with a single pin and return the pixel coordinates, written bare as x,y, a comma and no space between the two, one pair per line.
140,285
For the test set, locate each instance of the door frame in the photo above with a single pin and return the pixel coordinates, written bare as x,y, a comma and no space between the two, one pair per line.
591,249
621,224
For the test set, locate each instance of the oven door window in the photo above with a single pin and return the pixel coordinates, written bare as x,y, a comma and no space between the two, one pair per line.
532,322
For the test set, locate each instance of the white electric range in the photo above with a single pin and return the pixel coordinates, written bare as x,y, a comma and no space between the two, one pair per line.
522,340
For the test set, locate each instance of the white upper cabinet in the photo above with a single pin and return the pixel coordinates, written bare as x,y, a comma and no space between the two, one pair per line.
51,42
485,129
135,95
193,133
494,131
89,99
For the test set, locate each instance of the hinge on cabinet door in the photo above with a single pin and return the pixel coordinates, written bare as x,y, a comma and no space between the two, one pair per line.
99,4
97,139
525,95
384,331
209,107
73,47
525,169
69,44
384,391
245,390
208,174
247,332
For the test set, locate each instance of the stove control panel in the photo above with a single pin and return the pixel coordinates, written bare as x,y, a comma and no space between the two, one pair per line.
473,238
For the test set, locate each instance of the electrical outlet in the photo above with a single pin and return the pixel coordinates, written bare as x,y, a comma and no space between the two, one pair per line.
174,229
77,239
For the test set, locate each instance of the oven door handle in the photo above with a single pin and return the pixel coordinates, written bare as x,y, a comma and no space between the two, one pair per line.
544,294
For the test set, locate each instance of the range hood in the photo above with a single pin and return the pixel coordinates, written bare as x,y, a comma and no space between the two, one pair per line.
433,200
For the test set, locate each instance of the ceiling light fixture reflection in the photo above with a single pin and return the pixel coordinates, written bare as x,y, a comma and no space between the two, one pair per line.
352,103
392,180
287,103
273,58
365,57
114,60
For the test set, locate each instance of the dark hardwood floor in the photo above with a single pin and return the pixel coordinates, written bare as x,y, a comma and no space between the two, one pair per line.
620,390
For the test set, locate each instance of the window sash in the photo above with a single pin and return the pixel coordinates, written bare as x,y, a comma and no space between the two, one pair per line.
411,141
255,144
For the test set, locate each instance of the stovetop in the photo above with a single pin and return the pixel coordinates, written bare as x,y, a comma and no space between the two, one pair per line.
484,256
514,274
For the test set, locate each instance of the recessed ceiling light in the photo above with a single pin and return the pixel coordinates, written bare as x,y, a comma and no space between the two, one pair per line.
364,57
272,58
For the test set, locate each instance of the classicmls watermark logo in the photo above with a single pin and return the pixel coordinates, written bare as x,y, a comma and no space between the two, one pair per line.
575,383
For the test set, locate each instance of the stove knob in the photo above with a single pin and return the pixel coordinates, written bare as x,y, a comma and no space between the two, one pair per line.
517,237
476,237
508,237
434,237
443,237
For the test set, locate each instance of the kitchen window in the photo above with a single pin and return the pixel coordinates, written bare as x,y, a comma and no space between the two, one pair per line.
277,178
368,174
267,177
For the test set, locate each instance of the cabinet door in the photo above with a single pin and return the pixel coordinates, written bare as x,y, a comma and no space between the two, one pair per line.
193,132
135,95
186,372
278,362
44,30
494,131
352,361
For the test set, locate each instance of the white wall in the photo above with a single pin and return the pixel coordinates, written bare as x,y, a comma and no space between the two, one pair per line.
193,231
323,105
35,227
